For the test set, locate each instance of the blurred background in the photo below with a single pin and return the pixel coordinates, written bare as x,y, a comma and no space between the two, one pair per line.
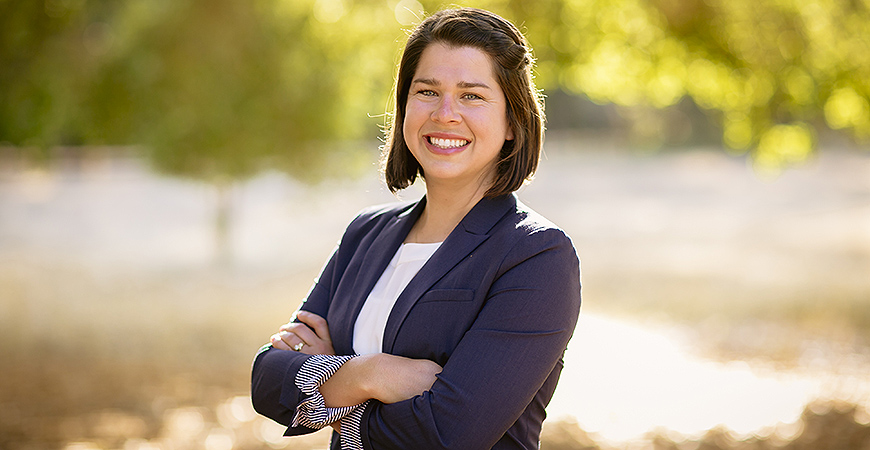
173,174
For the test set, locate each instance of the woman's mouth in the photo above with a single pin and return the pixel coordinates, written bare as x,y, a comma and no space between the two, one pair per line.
446,145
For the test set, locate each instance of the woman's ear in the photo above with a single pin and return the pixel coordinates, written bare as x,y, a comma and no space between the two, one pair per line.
509,136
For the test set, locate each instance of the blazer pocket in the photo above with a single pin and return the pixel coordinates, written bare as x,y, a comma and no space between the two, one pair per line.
447,295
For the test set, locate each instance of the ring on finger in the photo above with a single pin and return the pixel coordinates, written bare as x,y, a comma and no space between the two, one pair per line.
299,346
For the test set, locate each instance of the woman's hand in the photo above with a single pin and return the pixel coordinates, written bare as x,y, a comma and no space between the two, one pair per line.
310,335
398,378
384,377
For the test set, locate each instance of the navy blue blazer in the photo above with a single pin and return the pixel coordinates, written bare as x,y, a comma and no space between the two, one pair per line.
495,306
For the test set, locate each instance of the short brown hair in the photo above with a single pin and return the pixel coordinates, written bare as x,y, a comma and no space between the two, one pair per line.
512,63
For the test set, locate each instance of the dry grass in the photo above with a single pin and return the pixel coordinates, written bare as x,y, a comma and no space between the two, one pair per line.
144,361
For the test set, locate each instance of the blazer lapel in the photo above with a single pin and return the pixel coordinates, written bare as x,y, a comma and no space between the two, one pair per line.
472,231
374,262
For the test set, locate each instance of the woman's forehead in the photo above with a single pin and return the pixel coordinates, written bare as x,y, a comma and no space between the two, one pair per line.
462,65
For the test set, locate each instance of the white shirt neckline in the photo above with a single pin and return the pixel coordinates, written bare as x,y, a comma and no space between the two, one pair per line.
368,332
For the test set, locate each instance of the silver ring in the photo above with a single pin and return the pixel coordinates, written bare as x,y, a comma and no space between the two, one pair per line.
299,346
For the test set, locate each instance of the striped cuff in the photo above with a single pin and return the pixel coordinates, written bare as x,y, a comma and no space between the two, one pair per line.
312,412
351,438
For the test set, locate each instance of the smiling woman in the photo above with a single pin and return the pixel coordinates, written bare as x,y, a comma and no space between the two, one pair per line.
439,323
507,65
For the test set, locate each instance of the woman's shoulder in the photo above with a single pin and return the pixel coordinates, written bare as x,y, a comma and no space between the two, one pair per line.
384,211
390,209
528,222
523,232
525,235
377,216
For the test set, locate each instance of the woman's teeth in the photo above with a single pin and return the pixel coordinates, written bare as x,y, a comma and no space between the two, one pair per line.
447,143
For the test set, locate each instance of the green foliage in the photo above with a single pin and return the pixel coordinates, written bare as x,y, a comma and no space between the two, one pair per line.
771,72
212,88
217,88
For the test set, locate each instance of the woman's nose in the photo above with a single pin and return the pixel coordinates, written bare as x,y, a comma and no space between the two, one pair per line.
446,111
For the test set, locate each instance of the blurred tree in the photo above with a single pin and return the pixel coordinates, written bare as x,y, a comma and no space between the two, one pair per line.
217,89
213,89
33,97
770,72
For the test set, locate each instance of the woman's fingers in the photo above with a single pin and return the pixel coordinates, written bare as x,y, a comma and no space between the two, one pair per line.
283,341
317,323
290,336
302,331
310,335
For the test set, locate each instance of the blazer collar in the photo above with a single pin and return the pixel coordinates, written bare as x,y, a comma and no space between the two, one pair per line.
374,262
472,231
486,213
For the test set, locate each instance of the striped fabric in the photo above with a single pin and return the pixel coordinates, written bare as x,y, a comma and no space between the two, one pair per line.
351,438
313,413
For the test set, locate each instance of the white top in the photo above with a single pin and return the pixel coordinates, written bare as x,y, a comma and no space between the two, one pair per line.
368,332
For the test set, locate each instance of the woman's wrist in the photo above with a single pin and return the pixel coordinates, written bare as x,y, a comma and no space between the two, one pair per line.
380,376
392,378
363,373
351,384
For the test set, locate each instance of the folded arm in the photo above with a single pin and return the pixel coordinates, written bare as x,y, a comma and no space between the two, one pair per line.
349,381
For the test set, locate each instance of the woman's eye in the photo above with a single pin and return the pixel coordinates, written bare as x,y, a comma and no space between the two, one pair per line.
426,92
472,97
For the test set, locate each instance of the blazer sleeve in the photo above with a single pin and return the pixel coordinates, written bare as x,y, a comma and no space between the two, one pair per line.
502,361
274,393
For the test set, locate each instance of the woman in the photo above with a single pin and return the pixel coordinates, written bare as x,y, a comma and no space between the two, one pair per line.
439,323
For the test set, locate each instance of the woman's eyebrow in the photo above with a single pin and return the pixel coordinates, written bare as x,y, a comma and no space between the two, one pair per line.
472,84
427,81
461,84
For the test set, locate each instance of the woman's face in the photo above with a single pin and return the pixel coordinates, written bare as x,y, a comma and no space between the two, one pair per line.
455,118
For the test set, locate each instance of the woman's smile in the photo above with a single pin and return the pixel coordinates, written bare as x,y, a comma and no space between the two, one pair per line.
446,145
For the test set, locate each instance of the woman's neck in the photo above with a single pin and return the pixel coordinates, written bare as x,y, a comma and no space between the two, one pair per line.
444,210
